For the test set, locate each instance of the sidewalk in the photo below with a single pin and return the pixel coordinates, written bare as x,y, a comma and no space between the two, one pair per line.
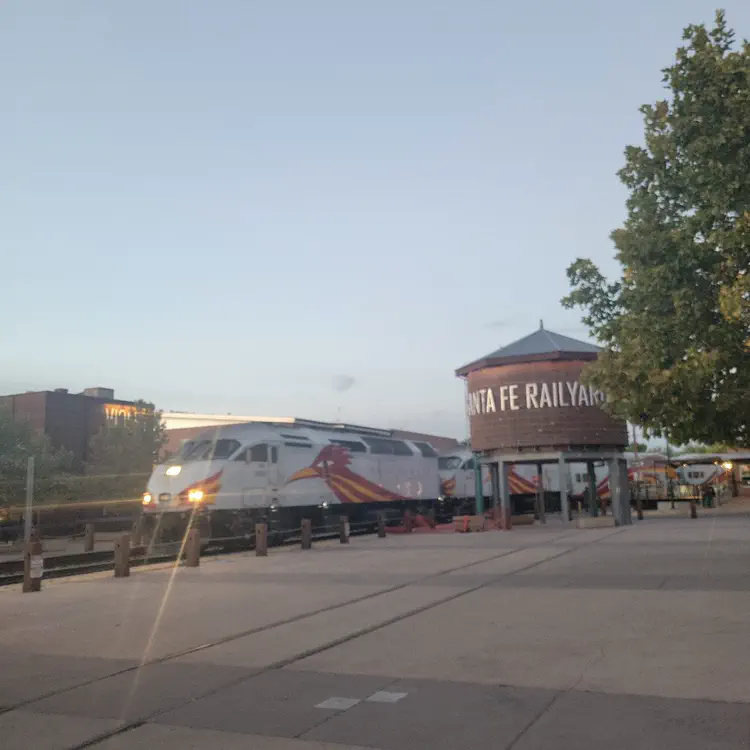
543,638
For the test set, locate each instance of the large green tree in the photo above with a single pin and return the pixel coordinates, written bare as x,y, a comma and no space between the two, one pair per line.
128,446
675,326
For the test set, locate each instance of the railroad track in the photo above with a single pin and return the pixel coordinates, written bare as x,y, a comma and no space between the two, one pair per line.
80,563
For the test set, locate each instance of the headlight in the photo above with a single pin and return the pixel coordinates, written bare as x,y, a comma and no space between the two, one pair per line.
173,471
146,498
727,465
195,496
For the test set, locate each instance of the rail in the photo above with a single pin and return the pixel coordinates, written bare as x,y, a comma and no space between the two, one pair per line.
80,563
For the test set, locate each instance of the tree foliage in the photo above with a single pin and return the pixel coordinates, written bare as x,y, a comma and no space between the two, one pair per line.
19,441
129,446
702,448
676,326
637,448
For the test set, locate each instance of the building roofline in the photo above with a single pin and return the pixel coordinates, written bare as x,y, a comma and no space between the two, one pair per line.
556,356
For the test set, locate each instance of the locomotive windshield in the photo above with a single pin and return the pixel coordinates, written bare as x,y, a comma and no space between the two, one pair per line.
206,450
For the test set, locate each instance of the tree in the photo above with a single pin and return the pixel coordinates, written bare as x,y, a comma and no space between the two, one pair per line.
701,448
675,327
19,441
129,446
637,448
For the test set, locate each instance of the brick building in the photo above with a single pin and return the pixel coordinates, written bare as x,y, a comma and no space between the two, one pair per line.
68,419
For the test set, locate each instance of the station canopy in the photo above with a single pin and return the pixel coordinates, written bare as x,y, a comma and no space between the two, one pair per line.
740,457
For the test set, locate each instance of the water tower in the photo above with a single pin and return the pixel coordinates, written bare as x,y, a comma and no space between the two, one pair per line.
527,405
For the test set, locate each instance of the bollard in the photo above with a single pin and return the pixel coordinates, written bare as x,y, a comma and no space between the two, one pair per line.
33,566
306,532
344,530
506,519
408,522
193,548
638,506
381,526
261,540
693,508
122,556
88,538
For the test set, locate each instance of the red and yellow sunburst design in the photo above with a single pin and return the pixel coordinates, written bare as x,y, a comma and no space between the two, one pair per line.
603,490
519,485
210,487
331,465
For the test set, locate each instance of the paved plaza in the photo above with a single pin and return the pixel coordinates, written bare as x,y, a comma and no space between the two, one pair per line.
541,638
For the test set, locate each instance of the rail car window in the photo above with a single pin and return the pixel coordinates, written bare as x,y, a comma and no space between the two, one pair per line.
426,450
402,449
224,448
274,454
352,445
259,454
378,445
289,444
387,447
449,462
469,464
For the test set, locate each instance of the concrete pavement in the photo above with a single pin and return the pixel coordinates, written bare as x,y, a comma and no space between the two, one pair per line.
545,637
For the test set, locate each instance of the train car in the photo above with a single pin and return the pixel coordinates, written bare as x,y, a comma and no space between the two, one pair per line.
694,478
458,483
232,477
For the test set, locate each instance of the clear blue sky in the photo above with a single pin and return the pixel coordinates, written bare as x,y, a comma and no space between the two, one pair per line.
298,207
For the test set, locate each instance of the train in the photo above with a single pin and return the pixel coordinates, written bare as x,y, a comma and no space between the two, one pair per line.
652,478
229,478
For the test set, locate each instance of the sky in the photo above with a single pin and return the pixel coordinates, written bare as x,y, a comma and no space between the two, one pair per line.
315,209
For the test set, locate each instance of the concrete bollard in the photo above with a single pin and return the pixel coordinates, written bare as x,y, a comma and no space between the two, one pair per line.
193,549
408,522
122,556
33,566
261,540
506,521
344,530
638,506
88,538
381,526
306,532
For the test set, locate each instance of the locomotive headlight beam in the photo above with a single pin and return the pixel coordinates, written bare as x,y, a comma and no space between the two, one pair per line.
195,496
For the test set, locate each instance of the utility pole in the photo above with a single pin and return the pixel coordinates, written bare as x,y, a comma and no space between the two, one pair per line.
27,521
670,489
638,505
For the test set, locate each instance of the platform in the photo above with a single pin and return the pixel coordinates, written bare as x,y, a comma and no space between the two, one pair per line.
543,638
